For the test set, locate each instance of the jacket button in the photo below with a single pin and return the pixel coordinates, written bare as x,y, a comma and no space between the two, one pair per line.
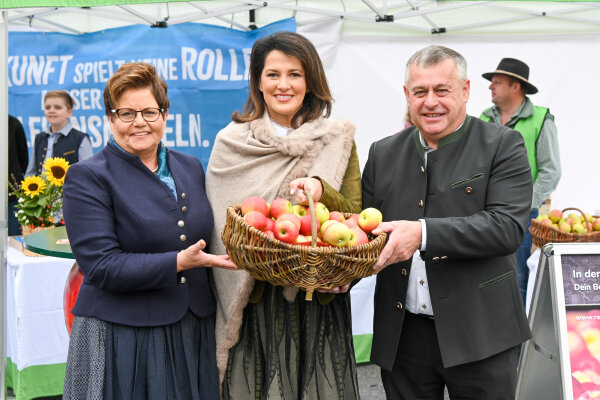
468,190
399,306
183,279
181,224
404,272
422,169
183,209
182,238
421,203
443,257
435,258
183,195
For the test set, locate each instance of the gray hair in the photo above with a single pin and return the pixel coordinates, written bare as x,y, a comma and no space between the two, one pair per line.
431,55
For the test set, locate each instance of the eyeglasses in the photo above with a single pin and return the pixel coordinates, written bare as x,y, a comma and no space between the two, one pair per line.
129,114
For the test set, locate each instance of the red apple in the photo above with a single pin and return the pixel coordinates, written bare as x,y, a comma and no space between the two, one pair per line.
555,215
305,227
357,237
301,239
255,203
269,233
355,217
337,234
337,216
256,219
350,223
596,224
280,206
286,231
300,210
369,219
290,217
269,225
322,212
324,225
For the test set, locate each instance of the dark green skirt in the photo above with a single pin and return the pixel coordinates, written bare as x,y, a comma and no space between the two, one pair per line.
298,350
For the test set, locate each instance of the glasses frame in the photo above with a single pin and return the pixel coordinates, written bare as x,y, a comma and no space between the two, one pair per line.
116,112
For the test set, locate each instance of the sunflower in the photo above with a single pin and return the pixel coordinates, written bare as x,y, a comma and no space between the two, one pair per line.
33,186
55,170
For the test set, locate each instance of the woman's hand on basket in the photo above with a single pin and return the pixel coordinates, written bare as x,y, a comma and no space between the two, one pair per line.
311,185
336,290
194,256
403,240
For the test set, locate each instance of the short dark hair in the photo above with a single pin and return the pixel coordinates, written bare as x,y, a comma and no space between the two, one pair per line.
135,75
62,94
317,100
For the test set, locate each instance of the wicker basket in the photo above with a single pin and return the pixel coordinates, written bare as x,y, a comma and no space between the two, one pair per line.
307,267
542,233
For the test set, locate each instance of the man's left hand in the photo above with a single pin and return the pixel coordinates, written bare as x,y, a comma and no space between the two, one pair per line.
404,238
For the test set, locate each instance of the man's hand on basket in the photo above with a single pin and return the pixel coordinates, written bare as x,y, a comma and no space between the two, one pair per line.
311,185
194,256
336,290
404,238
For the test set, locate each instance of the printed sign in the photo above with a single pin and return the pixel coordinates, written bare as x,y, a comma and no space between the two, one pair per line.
205,67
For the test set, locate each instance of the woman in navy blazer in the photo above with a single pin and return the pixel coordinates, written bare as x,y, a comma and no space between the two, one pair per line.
138,220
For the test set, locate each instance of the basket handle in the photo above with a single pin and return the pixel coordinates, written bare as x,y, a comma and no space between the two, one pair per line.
313,218
587,223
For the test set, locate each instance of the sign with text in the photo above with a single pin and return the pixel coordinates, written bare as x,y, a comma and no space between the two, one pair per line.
205,67
581,279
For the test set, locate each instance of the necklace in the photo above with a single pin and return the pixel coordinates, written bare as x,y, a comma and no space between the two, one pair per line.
155,170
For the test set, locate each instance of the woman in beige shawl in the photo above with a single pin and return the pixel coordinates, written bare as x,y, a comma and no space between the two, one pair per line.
271,342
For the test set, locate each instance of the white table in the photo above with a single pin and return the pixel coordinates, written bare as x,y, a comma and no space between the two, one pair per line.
37,339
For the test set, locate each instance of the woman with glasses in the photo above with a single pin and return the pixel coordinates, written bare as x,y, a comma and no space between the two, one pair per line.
138,219
271,342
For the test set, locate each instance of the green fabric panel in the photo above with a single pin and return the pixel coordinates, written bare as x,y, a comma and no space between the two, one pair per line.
362,347
75,3
35,381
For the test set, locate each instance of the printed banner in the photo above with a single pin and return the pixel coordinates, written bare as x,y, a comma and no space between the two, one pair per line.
205,67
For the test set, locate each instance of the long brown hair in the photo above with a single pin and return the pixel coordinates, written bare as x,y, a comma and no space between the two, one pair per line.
317,100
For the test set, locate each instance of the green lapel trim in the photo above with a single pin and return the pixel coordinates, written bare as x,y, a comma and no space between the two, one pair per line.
451,138
456,135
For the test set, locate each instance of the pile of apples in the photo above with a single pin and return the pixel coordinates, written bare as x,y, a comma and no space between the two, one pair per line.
292,223
572,223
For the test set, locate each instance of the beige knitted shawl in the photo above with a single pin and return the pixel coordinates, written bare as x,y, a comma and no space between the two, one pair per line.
251,159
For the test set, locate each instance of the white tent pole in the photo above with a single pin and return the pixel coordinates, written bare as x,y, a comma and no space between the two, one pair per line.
226,20
3,193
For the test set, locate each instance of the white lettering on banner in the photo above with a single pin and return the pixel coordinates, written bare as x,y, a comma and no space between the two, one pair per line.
96,71
84,99
195,130
36,70
208,64
165,67
98,128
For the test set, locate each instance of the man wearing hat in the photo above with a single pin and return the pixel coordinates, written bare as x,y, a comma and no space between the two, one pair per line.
510,87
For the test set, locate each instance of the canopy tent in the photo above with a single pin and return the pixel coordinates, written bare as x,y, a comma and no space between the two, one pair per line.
361,17
364,45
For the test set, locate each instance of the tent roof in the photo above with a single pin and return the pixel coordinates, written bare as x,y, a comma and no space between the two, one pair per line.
361,17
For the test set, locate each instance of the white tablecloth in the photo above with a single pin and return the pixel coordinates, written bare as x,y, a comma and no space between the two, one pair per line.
36,335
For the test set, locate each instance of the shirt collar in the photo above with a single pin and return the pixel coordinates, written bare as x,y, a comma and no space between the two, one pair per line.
525,110
454,136
64,131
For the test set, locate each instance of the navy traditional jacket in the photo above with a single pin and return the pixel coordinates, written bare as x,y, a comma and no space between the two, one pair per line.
126,228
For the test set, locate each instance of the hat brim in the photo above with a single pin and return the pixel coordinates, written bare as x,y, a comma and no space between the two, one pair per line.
529,88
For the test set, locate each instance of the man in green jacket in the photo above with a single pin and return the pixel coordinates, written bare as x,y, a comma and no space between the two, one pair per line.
514,109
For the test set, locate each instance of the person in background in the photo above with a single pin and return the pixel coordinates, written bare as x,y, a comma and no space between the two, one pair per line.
271,342
455,194
510,87
17,162
61,140
138,220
